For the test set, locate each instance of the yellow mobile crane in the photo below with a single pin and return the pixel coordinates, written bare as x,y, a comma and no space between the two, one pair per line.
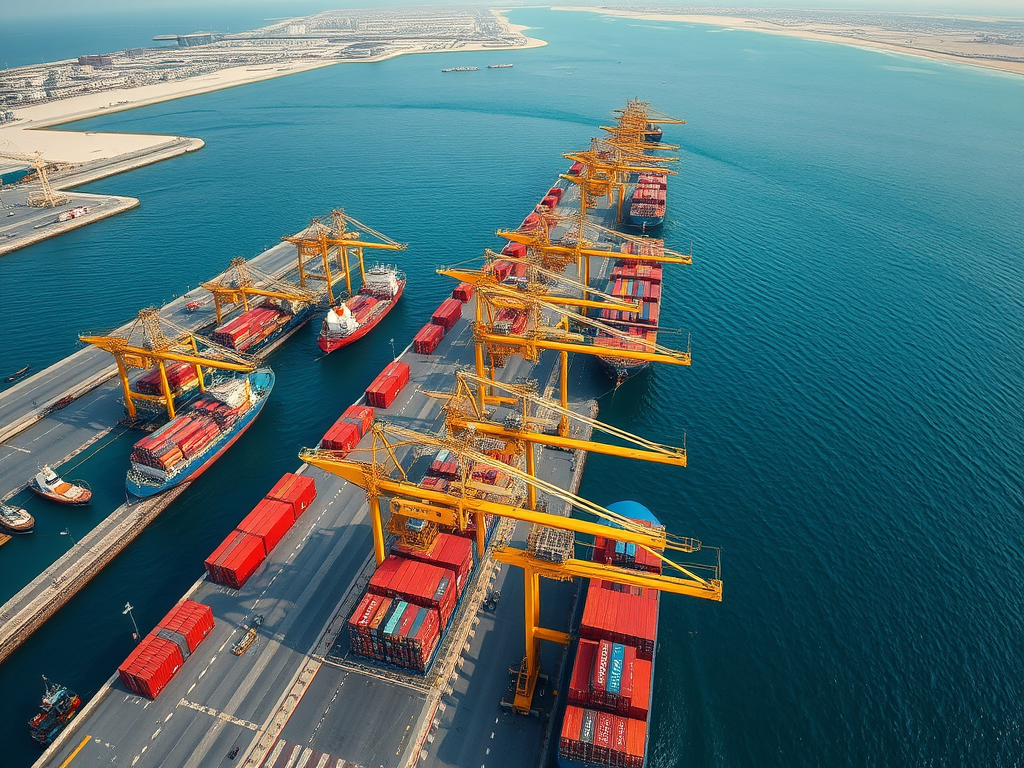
243,280
151,341
46,197
323,241
457,509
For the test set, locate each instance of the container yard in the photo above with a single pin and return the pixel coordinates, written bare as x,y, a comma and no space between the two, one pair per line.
376,595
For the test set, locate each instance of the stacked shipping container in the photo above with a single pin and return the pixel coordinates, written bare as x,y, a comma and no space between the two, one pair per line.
385,388
245,548
448,314
157,659
250,328
427,338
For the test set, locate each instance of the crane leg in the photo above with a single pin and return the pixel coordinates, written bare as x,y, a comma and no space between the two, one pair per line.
481,390
531,469
563,424
528,672
378,529
348,272
327,274
362,265
481,534
165,385
128,402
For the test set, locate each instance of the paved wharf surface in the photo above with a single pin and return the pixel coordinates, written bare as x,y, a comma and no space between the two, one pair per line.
297,697
22,225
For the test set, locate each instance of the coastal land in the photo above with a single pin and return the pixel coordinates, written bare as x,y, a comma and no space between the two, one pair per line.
994,43
40,97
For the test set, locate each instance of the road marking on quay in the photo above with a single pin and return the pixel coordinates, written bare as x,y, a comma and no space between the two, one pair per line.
220,715
73,755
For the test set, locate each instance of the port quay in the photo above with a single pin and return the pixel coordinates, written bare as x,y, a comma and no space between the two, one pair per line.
275,680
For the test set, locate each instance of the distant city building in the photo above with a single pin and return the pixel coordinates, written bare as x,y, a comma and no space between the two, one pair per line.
296,29
96,60
134,53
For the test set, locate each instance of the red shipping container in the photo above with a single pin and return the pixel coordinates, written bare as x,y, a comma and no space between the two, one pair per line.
236,559
556,192
297,490
452,552
640,705
579,683
515,250
399,370
550,201
576,169
421,583
463,292
362,414
151,666
342,436
447,314
621,618
192,620
427,338
270,520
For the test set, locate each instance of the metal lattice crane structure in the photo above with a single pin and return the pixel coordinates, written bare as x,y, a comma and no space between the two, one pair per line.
151,341
460,508
581,243
243,280
335,242
46,197
606,171
637,124
565,335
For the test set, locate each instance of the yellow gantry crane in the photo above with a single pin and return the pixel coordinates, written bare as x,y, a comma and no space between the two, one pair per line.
460,506
243,280
152,341
580,242
606,171
500,344
46,197
334,241
635,124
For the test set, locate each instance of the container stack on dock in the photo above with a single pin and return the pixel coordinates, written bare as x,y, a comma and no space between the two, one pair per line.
348,430
158,657
385,388
245,548
448,314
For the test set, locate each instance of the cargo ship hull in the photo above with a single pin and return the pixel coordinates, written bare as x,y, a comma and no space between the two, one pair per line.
331,343
140,485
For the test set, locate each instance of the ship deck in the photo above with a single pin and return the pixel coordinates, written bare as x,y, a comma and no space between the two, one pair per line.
296,697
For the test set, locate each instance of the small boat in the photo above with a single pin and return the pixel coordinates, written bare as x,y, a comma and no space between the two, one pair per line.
47,484
58,707
16,519
16,375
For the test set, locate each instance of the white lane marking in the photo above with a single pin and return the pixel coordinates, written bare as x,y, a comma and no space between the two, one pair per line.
155,733
169,716
201,675
492,734
220,715
190,688
488,751
135,760
16,448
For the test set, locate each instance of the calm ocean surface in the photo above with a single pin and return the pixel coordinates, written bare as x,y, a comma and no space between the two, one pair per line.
853,413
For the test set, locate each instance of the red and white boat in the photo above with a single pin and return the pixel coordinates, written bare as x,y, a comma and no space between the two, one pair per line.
50,486
357,315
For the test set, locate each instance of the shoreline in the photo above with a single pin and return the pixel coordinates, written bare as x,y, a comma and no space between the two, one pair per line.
760,25
29,132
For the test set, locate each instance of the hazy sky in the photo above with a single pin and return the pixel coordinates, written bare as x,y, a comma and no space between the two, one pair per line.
11,9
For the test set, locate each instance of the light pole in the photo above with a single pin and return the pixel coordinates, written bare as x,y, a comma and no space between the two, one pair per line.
67,533
128,610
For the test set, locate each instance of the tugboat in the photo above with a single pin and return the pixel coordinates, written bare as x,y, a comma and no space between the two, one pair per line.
16,519
358,315
56,709
47,484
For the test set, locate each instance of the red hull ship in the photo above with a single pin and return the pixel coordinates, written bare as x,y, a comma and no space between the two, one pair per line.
359,314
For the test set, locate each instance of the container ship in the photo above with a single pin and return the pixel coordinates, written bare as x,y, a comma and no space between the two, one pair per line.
183,448
263,327
359,314
607,717
647,203
58,707
639,282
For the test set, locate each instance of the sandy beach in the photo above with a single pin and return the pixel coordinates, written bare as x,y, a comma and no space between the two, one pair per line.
861,36
27,134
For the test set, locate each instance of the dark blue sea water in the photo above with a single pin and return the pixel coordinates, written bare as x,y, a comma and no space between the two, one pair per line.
853,413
